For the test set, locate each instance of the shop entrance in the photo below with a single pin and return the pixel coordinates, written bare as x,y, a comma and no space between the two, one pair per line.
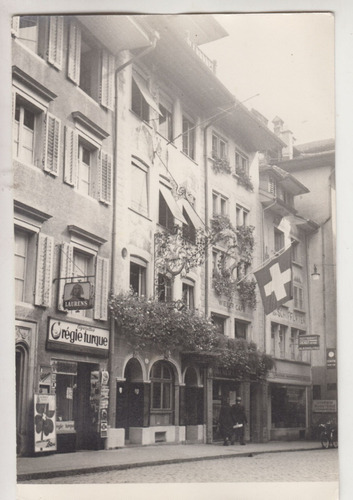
130,398
21,409
77,391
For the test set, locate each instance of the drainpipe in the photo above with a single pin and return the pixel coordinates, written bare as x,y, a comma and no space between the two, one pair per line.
112,385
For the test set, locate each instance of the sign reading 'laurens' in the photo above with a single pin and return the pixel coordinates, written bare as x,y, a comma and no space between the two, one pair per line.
76,337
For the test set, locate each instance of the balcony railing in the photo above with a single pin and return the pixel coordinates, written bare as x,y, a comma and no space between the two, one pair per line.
206,60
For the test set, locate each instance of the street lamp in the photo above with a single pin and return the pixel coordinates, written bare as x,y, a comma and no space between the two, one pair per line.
315,275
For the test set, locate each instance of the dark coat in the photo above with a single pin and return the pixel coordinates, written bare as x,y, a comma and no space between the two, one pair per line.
238,414
226,421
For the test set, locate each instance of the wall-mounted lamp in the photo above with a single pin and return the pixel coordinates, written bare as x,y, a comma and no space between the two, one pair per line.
315,275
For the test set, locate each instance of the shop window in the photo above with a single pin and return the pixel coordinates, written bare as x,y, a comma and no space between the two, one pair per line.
219,204
164,288
316,391
332,386
242,215
219,322
166,122
139,188
188,137
138,276
240,329
279,240
288,406
188,292
241,164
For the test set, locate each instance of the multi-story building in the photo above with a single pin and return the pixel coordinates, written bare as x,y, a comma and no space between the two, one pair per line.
128,153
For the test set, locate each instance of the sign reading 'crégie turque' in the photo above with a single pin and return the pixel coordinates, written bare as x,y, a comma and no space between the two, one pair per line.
76,337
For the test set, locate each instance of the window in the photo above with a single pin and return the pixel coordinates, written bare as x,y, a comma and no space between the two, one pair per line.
164,288
279,240
241,164
240,329
296,251
139,189
139,104
189,231
298,297
86,157
162,386
166,122
138,276
219,147
295,353
219,204
278,340
90,66
219,322
31,32
282,340
188,294
83,266
242,215
273,339
316,391
36,135
165,217
188,137
21,258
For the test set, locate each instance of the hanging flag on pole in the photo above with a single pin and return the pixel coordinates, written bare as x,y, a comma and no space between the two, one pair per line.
275,281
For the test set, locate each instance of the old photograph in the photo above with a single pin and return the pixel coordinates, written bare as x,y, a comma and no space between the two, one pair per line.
174,204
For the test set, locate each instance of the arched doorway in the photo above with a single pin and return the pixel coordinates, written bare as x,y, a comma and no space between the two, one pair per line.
193,404
130,398
162,394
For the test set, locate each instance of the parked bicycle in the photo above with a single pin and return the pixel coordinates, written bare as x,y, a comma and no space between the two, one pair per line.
328,435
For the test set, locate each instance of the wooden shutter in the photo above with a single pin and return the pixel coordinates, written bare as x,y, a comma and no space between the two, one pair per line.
52,144
44,271
105,177
101,289
71,156
56,37
66,270
15,26
106,96
74,55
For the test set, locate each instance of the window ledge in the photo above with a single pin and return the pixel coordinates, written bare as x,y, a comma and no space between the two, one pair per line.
31,212
297,309
189,157
89,125
82,233
32,84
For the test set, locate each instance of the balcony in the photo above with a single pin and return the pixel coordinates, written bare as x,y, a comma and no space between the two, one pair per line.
206,60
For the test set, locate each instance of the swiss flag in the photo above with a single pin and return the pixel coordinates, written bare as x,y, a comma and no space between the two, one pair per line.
275,281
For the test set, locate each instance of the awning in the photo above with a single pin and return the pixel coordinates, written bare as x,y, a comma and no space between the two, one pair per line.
145,92
194,217
172,204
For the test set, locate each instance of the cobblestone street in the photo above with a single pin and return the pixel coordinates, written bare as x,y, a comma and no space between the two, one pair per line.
317,465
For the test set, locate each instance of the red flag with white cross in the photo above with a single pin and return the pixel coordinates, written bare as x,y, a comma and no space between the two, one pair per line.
275,281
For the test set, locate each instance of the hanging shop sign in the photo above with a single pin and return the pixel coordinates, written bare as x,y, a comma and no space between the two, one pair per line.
76,337
306,342
44,423
324,405
331,358
78,295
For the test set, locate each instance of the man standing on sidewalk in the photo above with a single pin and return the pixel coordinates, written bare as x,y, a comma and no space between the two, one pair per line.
239,419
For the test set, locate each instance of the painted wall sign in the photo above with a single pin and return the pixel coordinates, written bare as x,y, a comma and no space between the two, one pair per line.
75,337
44,423
78,295
308,342
324,405
65,427
293,317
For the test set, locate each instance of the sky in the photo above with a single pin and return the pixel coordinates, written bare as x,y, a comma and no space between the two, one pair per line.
286,58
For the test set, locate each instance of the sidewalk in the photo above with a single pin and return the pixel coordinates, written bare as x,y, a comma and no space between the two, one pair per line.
80,462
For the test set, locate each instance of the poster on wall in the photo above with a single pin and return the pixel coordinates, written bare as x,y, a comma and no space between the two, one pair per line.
44,423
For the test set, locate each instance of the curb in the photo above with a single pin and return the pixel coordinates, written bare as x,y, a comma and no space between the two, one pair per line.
28,476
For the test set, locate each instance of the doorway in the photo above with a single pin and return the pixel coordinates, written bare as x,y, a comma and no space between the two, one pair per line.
130,398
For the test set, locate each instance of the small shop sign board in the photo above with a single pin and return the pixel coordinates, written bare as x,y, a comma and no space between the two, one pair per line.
78,295
308,342
324,406
331,358
44,422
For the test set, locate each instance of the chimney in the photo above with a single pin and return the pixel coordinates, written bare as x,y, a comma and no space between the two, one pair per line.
286,135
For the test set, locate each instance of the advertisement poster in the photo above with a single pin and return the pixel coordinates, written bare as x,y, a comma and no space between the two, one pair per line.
44,423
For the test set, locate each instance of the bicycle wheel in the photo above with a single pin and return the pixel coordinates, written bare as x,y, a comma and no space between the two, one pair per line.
325,442
334,439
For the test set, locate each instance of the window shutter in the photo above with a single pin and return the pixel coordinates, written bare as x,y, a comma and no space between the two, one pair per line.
66,270
107,80
44,270
71,156
56,36
105,177
15,26
101,289
52,144
73,71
